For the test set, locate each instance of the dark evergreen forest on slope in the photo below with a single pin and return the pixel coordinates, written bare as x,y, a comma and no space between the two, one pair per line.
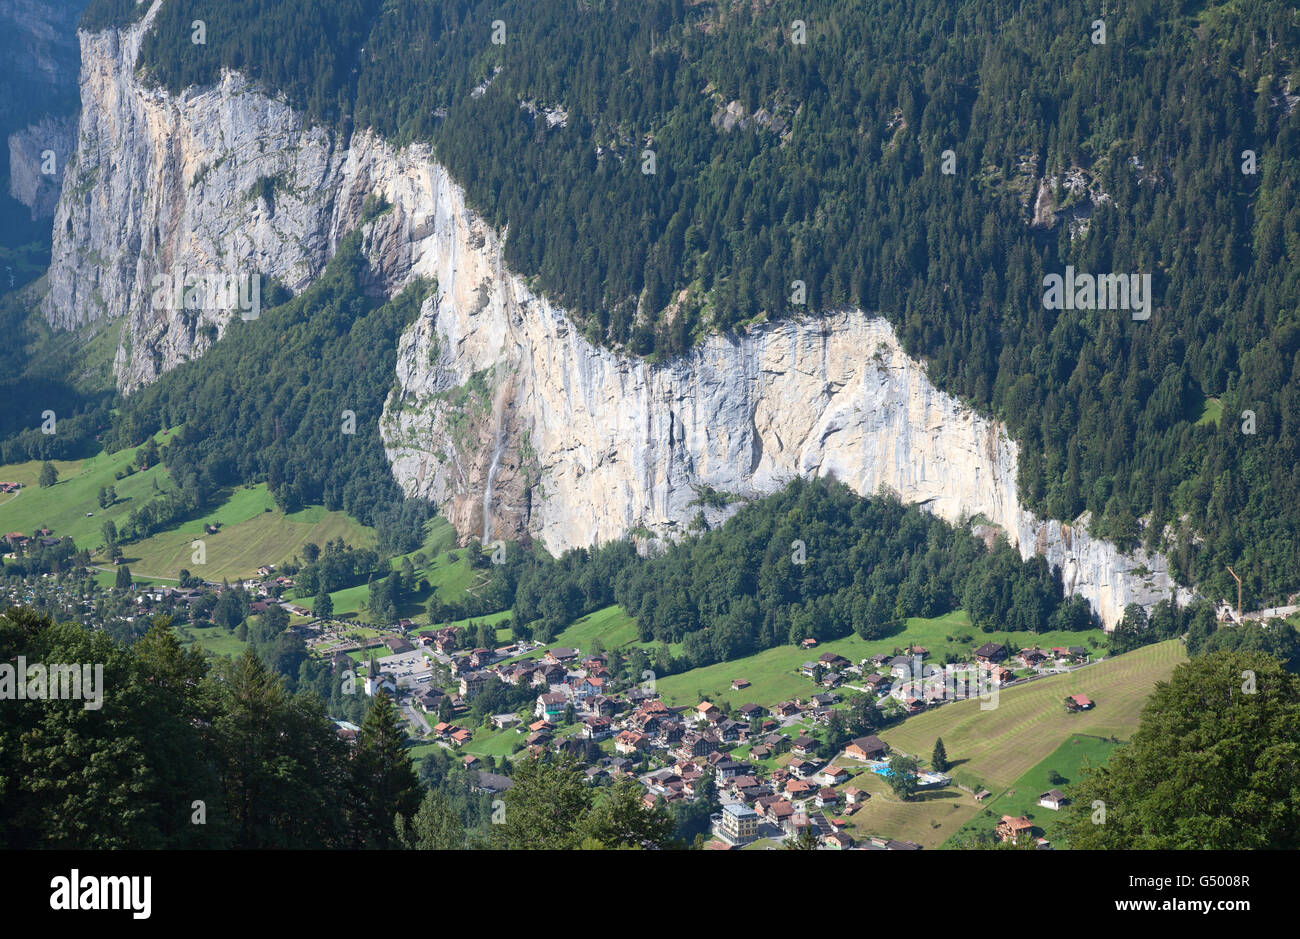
271,402
832,176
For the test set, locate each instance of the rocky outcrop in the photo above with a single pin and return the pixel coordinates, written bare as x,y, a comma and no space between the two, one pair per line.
503,413
37,156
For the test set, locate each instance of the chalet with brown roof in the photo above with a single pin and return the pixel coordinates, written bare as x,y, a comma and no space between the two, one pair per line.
430,701
827,796
482,658
1013,829
708,711
803,745
838,841
547,675
1032,658
743,781
601,704
1078,702
671,732
834,775
1053,799
738,684
730,731
629,741
694,744
866,748
853,795
990,653
729,769
647,723
833,660
778,811
804,769
560,655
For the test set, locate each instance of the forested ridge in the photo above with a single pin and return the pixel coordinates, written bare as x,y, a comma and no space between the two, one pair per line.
292,399
840,186
813,561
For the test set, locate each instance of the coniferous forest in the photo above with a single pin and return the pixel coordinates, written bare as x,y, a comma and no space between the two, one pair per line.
829,170
666,170
291,399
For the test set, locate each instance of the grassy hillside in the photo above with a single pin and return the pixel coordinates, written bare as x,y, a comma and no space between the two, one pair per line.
997,746
253,531
63,507
449,578
772,673
928,818
1067,760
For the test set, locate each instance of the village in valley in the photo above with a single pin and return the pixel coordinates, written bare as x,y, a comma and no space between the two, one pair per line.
773,773
811,745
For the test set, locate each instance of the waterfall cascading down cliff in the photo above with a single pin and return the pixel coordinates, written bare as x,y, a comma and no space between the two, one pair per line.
589,444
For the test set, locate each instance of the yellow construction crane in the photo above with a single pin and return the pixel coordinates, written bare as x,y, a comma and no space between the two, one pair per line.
1238,580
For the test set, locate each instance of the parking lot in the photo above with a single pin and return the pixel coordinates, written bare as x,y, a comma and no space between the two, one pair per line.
407,668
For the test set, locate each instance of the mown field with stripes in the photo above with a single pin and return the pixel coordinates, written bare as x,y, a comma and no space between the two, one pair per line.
997,746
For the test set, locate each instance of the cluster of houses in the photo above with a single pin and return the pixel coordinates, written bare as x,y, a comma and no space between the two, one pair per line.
916,685
1016,828
6,488
685,744
806,792
43,537
580,703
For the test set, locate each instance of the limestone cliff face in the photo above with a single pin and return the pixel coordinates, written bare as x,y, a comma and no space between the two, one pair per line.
37,156
501,411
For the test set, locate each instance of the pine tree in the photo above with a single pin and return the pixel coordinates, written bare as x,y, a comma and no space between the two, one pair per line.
435,827
621,819
49,475
1159,791
323,606
939,758
545,806
384,780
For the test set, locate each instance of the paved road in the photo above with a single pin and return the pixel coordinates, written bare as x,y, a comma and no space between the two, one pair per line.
415,718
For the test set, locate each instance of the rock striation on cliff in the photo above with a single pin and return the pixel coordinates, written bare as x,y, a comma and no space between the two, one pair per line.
502,412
